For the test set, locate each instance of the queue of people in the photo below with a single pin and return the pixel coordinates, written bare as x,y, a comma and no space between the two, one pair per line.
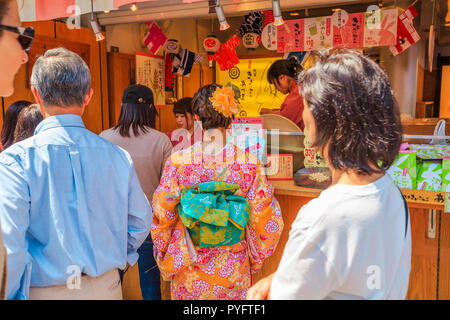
77,208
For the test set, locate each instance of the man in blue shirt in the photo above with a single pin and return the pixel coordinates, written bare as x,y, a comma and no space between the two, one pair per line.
72,210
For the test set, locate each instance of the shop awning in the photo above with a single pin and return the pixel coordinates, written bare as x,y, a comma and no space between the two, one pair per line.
179,9
35,10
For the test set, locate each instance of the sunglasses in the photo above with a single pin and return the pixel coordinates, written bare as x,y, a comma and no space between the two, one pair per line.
26,35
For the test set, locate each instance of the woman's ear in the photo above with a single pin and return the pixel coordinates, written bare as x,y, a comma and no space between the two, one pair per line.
196,117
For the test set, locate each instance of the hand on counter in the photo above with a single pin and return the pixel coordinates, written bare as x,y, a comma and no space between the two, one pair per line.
261,289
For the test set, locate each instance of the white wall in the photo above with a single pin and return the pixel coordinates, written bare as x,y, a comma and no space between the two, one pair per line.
129,37
403,68
125,36
402,73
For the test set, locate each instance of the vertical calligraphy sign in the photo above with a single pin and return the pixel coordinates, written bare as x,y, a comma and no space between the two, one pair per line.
351,33
291,36
150,72
318,33
385,34
250,76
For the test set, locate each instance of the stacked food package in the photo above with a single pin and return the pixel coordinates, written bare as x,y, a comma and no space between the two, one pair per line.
422,167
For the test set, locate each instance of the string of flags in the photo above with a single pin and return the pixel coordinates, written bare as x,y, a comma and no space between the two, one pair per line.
155,37
406,34
298,37
382,27
341,30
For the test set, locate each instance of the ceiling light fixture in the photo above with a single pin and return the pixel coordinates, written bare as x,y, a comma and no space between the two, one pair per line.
221,16
278,19
134,7
96,28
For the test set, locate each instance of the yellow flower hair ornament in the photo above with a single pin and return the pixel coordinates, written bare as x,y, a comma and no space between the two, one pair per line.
223,100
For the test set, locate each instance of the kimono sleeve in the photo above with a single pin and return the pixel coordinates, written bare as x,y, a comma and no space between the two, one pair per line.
171,242
266,222
167,151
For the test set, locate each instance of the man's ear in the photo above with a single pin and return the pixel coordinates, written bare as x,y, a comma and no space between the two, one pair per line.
88,97
36,95
38,100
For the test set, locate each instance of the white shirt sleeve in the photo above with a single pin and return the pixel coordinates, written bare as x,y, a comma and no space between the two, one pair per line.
304,271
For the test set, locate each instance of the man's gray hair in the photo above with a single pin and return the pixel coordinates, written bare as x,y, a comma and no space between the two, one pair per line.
61,78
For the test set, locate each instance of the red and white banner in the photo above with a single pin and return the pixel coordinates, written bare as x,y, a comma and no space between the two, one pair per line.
341,30
318,33
155,37
291,35
382,32
349,33
406,34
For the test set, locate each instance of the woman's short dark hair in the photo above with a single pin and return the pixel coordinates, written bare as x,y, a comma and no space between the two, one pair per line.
10,121
183,106
202,106
354,110
289,67
27,122
138,116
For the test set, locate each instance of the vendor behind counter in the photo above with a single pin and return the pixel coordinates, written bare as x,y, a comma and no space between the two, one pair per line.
283,74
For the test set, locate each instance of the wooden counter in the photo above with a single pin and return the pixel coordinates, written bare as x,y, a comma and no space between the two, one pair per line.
430,269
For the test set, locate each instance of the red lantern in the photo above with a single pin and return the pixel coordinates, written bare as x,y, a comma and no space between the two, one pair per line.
251,40
269,37
211,45
172,46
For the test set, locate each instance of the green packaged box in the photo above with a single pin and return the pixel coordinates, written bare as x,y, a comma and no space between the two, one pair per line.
429,176
428,152
445,175
403,170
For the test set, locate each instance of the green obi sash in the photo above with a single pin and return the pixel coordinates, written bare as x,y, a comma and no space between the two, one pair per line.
213,215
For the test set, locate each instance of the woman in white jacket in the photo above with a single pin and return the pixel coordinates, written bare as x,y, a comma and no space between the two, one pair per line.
353,242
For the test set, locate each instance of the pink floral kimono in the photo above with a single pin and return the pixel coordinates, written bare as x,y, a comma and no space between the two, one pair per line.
222,272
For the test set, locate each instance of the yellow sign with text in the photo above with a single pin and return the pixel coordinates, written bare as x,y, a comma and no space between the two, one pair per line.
250,76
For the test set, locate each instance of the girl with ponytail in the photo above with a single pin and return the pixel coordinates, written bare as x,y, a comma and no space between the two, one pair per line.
283,75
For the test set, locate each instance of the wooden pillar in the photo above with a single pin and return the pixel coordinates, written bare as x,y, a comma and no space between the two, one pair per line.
424,257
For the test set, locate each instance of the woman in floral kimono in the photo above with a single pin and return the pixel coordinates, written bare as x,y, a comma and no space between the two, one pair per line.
215,217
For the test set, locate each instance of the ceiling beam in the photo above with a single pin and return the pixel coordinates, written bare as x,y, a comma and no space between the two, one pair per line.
201,9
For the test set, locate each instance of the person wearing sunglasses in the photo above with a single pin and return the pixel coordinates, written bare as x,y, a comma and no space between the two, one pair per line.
14,41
